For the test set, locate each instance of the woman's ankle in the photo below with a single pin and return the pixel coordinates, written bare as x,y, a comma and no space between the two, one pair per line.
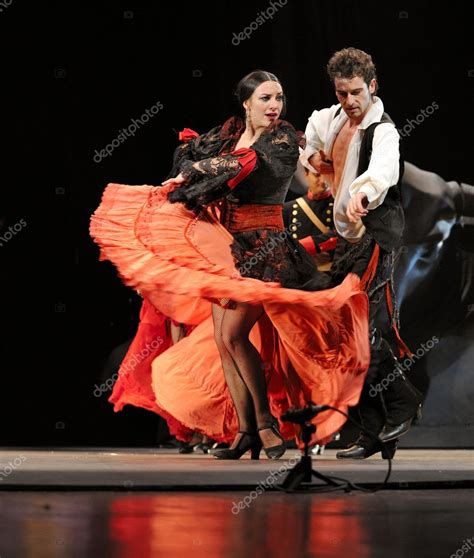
267,421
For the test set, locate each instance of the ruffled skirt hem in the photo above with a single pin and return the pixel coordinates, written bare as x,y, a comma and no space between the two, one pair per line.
314,344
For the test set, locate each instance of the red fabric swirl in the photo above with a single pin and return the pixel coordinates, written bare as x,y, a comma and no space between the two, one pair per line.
187,135
247,159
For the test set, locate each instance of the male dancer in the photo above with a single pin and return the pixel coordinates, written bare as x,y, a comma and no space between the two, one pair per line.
355,146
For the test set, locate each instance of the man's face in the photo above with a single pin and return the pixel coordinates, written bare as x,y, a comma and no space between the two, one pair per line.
354,95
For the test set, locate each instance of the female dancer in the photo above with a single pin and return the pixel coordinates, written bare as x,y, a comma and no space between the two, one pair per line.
181,258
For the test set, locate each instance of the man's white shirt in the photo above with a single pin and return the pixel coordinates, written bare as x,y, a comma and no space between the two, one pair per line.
383,171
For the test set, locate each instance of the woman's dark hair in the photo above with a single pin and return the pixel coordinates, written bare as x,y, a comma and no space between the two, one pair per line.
250,82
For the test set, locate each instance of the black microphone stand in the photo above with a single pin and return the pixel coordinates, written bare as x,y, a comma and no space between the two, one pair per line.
303,472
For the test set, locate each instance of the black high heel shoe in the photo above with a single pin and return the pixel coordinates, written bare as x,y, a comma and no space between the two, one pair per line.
205,445
274,452
196,444
247,442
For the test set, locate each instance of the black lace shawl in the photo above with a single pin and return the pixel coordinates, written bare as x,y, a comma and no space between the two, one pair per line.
207,164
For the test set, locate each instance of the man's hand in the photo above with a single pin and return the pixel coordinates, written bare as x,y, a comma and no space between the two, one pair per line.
321,163
357,207
177,180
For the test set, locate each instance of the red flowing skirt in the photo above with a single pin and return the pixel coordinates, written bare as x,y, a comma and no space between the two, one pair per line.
314,345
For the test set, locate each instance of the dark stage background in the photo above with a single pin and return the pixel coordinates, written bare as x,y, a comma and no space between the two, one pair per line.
76,73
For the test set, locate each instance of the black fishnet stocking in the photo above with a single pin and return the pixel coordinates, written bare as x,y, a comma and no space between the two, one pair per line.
243,368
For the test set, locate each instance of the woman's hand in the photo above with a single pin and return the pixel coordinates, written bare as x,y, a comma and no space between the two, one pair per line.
177,180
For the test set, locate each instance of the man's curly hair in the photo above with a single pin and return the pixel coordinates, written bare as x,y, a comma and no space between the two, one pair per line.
349,63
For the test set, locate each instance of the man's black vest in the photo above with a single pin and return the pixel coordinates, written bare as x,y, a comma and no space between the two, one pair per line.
386,222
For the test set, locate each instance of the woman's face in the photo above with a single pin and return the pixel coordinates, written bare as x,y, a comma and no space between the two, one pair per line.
265,104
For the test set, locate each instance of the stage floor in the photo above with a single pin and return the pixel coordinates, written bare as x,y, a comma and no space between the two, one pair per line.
95,524
148,503
160,469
